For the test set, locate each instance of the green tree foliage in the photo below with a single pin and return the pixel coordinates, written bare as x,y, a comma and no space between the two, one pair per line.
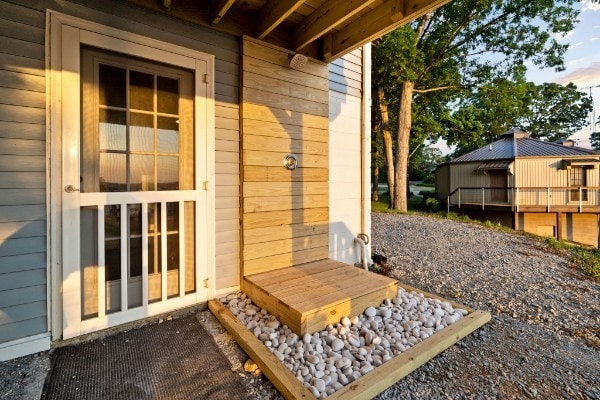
426,68
423,163
595,140
548,111
558,111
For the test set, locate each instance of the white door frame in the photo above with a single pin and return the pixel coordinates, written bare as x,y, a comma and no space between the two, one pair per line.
65,35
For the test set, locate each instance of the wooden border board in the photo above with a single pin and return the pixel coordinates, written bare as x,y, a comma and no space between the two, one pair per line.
368,385
284,380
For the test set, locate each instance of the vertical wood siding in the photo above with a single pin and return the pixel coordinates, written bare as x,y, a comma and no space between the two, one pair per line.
286,213
464,175
547,172
345,155
23,302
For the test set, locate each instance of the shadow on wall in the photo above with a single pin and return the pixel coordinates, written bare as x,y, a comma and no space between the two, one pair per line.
23,277
343,247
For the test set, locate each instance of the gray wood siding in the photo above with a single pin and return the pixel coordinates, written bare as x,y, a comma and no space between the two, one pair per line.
23,208
23,303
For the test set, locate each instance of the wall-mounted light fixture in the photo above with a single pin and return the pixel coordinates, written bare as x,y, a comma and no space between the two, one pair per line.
165,5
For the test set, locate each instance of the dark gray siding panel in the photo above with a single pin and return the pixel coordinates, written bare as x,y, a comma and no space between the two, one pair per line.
12,113
22,312
21,329
21,48
23,271
11,163
15,297
15,247
22,131
20,80
25,15
22,279
22,147
18,179
11,62
18,30
20,229
23,262
26,98
13,197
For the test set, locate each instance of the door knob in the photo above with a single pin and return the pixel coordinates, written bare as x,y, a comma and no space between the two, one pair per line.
71,189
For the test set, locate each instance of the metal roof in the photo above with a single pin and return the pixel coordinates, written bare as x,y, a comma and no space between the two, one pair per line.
509,147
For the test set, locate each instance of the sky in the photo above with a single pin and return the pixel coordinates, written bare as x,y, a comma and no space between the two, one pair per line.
582,62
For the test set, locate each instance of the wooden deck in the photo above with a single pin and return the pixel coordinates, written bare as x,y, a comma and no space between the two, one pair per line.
307,297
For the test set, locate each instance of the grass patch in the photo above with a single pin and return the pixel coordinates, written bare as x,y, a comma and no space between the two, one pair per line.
384,200
588,260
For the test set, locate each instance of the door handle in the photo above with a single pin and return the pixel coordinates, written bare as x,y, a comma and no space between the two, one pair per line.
71,189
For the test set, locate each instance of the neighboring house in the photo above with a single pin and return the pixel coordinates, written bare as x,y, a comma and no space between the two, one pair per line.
549,189
142,151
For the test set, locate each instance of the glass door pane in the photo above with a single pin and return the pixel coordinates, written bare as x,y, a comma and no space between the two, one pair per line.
137,135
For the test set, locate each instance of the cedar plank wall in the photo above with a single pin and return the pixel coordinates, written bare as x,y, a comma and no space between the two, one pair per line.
345,156
285,213
23,307
23,210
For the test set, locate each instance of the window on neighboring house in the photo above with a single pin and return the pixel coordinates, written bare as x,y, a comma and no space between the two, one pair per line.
577,179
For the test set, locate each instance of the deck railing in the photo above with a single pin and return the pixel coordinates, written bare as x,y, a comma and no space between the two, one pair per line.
524,196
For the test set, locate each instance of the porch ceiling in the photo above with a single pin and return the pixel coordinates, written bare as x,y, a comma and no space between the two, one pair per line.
321,29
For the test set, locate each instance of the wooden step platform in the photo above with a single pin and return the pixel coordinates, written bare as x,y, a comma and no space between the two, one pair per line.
309,296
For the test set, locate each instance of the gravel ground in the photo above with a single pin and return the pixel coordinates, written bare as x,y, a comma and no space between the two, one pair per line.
544,337
543,341
23,378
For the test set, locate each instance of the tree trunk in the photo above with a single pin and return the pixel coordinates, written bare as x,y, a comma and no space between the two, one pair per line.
402,142
375,188
387,143
389,162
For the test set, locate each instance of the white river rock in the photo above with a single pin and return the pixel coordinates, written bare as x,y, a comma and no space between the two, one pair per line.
328,360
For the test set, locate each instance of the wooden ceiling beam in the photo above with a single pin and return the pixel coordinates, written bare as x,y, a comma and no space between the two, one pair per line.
273,14
383,19
220,10
325,18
